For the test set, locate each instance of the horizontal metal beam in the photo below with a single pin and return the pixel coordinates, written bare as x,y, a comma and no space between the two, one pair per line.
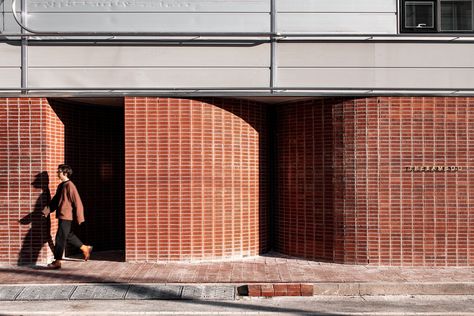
282,89
232,91
231,38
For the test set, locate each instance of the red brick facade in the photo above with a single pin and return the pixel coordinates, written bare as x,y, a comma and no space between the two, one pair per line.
31,147
392,216
197,177
374,210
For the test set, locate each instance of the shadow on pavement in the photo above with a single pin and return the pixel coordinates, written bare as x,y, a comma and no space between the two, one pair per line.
139,289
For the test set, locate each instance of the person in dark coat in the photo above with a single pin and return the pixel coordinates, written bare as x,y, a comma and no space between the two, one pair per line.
66,202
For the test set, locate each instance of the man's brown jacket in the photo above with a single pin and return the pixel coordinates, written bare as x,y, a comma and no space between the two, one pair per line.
66,201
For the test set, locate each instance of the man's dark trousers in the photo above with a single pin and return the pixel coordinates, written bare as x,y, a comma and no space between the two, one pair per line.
64,236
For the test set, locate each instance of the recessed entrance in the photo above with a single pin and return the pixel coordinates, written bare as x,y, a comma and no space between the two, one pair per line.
94,147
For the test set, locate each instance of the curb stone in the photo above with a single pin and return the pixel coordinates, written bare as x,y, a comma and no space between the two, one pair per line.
116,291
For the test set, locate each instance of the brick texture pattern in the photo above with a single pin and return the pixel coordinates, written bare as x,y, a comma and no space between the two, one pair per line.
31,147
94,148
395,217
304,219
377,212
196,179
197,186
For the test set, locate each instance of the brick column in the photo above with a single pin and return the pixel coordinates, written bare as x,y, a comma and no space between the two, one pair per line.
31,147
196,179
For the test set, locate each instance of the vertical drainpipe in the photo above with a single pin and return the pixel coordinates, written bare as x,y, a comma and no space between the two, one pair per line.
24,50
272,152
273,57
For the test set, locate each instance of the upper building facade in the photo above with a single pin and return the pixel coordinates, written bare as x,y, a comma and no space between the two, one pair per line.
259,47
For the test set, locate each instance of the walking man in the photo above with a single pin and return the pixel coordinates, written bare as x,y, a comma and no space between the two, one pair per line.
66,202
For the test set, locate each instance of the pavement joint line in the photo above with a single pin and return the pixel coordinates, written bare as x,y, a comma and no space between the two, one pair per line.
19,293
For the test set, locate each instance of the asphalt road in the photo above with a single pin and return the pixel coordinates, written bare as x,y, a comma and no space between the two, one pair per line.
320,305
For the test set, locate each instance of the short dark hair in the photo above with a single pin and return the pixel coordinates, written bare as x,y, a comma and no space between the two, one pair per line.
65,169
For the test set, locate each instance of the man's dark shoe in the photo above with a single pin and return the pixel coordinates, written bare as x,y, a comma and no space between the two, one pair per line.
87,252
54,265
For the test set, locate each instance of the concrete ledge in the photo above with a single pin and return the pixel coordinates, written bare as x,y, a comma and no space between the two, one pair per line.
117,291
112,291
378,288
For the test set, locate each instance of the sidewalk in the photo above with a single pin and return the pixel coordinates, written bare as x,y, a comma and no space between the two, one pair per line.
268,275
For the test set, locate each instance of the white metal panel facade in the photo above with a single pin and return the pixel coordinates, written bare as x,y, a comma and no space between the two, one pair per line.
10,73
337,16
377,78
263,62
336,6
306,16
146,77
338,23
376,54
151,22
141,56
10,55
148,66
142,16
376,65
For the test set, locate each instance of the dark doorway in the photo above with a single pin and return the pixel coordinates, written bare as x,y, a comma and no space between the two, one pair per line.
94,148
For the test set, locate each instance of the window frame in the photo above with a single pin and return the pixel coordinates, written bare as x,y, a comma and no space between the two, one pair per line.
434,23
437,18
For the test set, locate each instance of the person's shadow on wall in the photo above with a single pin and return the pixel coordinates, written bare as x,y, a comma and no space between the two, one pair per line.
40,231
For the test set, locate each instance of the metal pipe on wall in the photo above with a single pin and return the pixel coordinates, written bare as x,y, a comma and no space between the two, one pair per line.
273,47
24,50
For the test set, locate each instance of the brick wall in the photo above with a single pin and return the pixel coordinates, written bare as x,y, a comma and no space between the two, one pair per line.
304,217
196,179
31,138
380,214
395,217
94,148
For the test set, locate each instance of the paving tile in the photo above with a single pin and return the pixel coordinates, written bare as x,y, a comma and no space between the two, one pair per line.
46,292
153,292
9,293
100,292
193,292
219,292
271,268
